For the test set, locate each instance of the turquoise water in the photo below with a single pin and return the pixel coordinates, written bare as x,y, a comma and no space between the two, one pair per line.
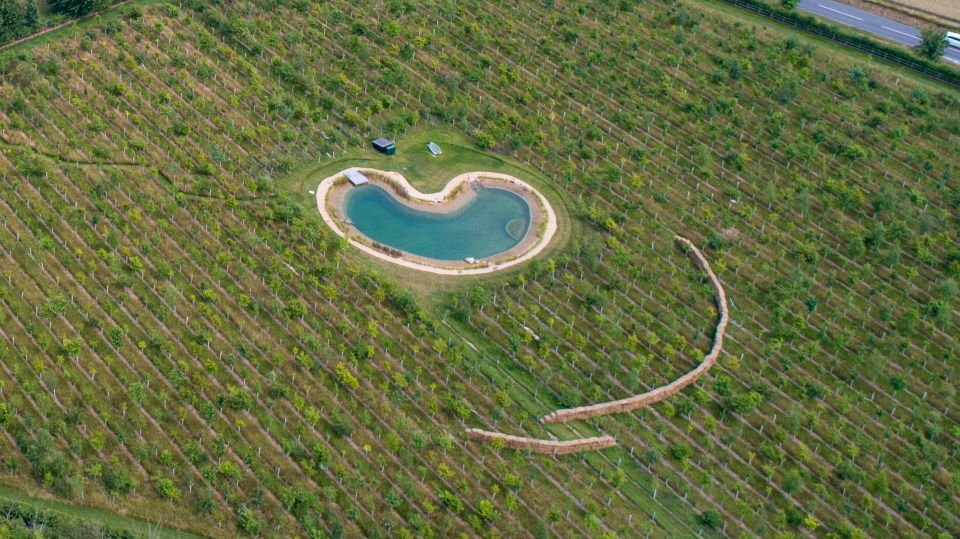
477,230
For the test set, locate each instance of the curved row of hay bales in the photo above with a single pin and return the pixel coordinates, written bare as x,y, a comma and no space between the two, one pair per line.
545,447
553,447
656,395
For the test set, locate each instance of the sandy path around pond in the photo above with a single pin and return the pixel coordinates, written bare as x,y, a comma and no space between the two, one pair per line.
532,245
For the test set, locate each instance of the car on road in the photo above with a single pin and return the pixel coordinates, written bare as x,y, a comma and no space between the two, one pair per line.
952,39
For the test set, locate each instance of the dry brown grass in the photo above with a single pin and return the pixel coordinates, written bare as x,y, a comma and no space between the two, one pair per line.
945,11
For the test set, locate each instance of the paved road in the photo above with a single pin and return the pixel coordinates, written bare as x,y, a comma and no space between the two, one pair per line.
875,24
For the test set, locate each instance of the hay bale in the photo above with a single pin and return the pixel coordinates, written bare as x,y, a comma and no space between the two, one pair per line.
543,447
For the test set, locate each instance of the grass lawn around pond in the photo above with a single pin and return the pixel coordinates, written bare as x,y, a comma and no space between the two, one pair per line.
426,172
429,174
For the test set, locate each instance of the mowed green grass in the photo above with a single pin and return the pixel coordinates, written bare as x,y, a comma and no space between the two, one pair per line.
426,172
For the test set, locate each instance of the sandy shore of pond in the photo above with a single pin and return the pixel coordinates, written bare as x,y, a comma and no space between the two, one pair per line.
331,194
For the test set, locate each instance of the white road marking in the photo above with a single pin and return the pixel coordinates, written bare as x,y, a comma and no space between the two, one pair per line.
840,12
899,32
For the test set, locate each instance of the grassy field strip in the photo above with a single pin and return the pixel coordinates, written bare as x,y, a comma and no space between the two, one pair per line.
106,518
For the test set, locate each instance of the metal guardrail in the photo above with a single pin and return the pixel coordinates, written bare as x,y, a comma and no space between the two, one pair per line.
950,79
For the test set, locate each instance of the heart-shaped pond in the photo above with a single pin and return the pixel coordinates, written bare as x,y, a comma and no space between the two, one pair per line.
491,222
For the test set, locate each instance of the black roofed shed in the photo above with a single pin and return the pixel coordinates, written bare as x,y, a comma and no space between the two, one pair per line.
385,145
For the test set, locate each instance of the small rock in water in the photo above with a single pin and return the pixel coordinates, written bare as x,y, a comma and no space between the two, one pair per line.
469,260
